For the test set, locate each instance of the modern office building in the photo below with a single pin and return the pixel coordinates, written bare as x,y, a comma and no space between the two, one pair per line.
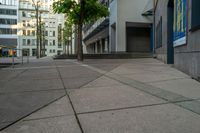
96,35
51,24
178,35
8,25
128,28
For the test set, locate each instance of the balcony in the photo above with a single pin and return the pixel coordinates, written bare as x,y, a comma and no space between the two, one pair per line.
98,26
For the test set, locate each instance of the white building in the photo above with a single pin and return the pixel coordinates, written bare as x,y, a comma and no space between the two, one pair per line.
129,28
8,22
27,28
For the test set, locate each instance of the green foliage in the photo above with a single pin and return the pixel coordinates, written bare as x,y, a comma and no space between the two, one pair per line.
91,10
67,30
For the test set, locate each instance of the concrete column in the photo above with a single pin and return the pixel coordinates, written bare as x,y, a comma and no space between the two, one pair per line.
96,47
106,45
101,47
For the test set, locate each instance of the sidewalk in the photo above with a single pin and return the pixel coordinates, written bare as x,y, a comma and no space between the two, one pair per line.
98,96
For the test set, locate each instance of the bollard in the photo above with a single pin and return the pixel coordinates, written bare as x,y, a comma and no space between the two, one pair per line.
13,60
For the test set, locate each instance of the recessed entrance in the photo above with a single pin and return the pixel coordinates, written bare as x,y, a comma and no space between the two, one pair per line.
138,39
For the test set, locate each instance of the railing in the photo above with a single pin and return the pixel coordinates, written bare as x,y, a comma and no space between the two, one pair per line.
94,26
9,57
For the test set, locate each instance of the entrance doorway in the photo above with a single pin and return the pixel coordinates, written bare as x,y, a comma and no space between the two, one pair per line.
138,39
170,38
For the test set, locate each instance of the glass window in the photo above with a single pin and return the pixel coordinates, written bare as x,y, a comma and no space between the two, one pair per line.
33,42
195,14
24,32
28,42
24,42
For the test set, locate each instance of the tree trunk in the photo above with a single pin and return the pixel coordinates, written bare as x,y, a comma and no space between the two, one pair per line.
80,47
40,36
37,30
64,47
67,47
80,25
71,45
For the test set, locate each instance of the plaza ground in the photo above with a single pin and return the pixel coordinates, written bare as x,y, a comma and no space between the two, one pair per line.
98,96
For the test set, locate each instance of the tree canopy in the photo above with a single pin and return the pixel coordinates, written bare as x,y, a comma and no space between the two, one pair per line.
81,12
90,9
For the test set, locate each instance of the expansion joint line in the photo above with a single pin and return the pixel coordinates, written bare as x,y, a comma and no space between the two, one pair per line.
71,103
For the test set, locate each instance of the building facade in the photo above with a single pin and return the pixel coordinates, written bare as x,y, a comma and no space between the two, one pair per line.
177,34
8,25
49,23
128,28
96,35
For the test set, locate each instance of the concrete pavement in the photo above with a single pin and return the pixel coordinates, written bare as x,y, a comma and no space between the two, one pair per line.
98,96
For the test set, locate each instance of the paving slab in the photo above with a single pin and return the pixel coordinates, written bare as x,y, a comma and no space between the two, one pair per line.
3,125
77,72
151,77
19,85
155,119
186,87
15,106
152,90
103,82
40,74
7,75
76,83
105,98
58,108
124,70
193,106
65,62
63,124
105,67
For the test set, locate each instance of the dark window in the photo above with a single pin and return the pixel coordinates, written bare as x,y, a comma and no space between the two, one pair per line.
46,42
8,31
28,41
23,14
54,42
8,12
54,33
159,34
195,14
8,21
46,33
24,42
24,32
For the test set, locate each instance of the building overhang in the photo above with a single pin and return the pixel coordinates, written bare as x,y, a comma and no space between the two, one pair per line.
149,8
100,35
98,29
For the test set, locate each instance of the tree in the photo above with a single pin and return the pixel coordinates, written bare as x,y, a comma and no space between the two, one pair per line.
67,35
41,36
80,13
36,5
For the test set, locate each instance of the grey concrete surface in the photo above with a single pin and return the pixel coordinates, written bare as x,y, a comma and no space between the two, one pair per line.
186,87
155,119
60,107
103,81
76,83
107,96
62,124
103,98
17,105
20,85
